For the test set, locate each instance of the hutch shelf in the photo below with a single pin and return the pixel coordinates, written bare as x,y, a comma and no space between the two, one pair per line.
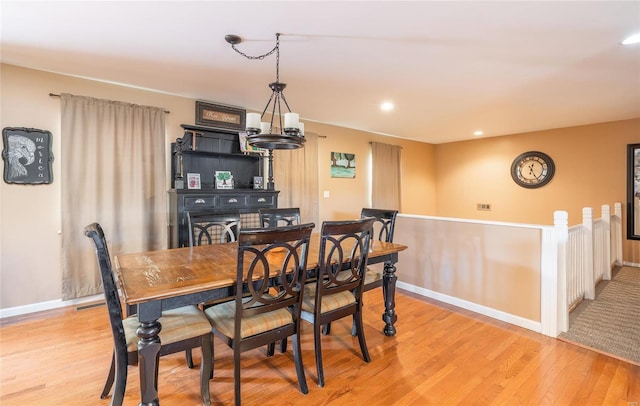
203,151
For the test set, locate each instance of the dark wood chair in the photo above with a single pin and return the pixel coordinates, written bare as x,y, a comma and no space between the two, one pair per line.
383,228
274,260
337,291
182,328
212,227
279,217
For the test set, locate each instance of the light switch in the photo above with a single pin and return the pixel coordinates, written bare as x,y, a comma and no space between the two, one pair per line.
326,194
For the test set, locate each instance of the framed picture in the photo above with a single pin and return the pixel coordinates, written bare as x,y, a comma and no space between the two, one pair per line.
224,180
193,180
246,148
220,116
343,165
258,182
27,156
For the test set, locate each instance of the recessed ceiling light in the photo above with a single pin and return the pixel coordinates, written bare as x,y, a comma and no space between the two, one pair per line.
386,106
478,133
634,39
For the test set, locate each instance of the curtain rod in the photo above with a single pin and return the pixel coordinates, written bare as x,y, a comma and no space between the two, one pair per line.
57,95
371,142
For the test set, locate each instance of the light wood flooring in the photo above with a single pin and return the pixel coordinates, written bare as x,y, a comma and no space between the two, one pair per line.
441,355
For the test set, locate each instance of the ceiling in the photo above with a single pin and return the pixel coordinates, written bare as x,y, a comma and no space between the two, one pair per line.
450,67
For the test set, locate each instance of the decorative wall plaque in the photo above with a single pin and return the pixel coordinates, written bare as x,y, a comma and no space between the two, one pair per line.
27,156
219,116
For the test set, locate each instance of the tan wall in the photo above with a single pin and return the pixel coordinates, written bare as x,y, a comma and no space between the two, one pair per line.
30,222
590,171
348,196
443,180
492,265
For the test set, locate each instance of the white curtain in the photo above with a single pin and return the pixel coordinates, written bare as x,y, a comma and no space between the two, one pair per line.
385,179
113,173
295,174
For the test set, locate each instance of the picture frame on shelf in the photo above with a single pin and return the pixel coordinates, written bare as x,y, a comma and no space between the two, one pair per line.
193,180
258,182
220,116
223,180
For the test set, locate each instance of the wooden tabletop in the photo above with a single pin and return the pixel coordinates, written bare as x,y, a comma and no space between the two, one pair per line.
155,275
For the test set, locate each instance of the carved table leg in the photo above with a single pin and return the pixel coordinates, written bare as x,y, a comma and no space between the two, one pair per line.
389,292
148,356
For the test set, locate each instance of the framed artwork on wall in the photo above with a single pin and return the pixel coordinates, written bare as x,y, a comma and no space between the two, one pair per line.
343,165
27,156
220,116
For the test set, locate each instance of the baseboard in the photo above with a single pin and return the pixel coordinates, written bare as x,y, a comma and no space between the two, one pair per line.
474,307
42,306
632,264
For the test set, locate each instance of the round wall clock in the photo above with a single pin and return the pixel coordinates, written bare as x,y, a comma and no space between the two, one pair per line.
532,169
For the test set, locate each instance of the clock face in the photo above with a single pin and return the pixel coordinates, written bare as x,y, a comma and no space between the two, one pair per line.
532,169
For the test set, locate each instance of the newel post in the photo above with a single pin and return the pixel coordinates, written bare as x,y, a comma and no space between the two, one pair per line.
561,237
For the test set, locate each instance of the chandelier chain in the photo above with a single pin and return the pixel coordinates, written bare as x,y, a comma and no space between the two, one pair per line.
275,49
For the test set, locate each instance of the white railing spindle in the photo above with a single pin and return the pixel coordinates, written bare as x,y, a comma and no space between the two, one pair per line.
587,241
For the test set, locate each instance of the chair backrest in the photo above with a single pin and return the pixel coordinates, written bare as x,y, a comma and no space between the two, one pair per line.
385,222
94,231
271,258
207,228
279,217
344,250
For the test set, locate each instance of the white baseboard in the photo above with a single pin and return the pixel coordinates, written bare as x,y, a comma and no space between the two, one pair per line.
42,306
474,307
632,264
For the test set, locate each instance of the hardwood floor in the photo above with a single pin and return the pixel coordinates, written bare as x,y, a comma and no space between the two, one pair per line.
441,355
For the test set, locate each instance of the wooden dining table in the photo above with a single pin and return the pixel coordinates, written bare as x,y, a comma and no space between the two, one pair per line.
154,281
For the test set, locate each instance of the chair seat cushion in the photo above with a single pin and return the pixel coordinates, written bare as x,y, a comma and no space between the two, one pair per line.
329,302
371,276
222,317
177,325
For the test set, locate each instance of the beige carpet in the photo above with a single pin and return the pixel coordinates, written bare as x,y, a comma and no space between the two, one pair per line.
610,323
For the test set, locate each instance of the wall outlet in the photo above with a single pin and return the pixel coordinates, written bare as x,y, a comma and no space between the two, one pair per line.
484,206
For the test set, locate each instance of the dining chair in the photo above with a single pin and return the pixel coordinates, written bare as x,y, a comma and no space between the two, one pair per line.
272,268
212,227
383,228
285,216
337,291
182,328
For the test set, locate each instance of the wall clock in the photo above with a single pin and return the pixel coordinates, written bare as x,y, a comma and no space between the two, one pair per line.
532,169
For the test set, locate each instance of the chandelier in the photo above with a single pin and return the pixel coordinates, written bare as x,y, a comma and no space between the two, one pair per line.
284,135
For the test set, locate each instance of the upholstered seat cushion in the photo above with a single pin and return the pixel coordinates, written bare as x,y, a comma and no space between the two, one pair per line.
329,302
222,317
177,325
371,276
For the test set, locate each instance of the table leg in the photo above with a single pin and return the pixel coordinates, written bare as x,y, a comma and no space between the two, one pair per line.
148,356
389,292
